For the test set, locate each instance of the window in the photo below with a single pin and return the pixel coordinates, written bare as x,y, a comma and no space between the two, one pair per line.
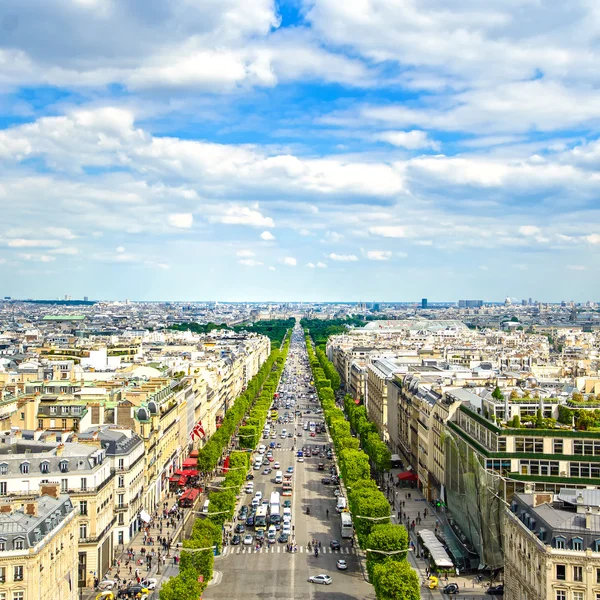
121,500
121,481
83,530
557,447
64,466
585,470
18,544
64,485
501,444
3,469
53,410
83,507
561,595
25,467
18,596
597,575
3,488
45,467
561,572
2,545
40,423
577,573
65,424
121,463
577,544
83,484
559,543
18,573
578,596
121,518
535,445
2,575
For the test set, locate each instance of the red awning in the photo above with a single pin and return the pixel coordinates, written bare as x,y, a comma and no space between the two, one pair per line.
190,463
190,472
408,476
194,454
174,478
183,480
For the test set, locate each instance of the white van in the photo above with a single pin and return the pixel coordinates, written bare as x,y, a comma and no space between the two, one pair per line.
205,507
261,449
287,514
272,534
279,477
341,504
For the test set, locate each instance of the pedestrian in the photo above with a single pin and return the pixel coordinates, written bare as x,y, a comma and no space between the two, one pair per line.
399,515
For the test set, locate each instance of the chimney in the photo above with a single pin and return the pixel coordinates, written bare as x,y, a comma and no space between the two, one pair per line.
588,518
539,499
50,436
31,509
49,489
59,449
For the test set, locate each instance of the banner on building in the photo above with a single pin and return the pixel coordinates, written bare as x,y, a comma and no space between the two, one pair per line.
198,431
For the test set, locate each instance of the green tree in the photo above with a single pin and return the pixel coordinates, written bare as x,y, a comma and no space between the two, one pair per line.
395,581
184,586
388,538
354,465
497,393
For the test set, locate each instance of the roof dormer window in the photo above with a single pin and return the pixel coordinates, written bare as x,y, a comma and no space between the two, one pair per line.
45,467
24,467
64,466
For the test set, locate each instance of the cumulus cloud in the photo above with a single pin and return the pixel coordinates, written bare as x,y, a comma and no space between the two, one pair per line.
593,238
529,230
244,254
343,257
242,215
181,220
310,265
411,140
289,261
379,255
388,231
21,243
321,265
267,236
250,262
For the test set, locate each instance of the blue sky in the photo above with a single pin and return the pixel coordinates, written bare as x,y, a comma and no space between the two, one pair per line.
299,150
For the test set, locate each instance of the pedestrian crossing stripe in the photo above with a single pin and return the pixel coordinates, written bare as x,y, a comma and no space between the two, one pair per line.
301,550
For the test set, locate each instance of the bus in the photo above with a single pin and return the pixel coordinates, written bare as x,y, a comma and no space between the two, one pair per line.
260,519
346,525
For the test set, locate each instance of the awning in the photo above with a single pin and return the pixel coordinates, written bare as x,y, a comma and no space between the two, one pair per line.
144,516
190,463
438,553
186,472
408,476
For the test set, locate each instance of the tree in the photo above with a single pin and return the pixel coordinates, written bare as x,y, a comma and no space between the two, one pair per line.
388,538
354,465
395,581
183,587
497,394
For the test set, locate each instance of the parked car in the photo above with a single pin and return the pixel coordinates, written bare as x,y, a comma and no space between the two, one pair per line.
451,589
496,590
326,481
322,579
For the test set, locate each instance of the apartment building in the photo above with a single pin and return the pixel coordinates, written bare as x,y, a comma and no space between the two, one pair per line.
38,548
125,454
552,546
27,467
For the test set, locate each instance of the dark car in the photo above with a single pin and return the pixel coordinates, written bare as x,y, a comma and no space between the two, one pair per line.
283,538
321,467
132,591
250,521
326,481
334,545
239,528
249,477
496,590
235,540
451,588
260,535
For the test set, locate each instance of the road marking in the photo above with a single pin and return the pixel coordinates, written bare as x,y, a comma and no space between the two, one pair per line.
301,548
278,549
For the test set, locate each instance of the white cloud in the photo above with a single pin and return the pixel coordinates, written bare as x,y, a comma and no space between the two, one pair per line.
250,262
402,254
267,236
244,254
321,265
521,267
388,231
271,268
332,237
242,215
343,257
483,268
310,265
181,220
61,232
379,254
68,250
289,261
593,238
576,267
529,230
411,140
304,232
22,243
120,249
45,258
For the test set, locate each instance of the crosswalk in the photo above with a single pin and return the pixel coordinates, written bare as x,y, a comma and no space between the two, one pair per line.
281,550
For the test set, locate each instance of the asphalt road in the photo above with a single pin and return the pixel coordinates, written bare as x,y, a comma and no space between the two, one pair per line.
272,572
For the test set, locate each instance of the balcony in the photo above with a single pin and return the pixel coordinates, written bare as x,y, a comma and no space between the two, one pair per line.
97,538
123,506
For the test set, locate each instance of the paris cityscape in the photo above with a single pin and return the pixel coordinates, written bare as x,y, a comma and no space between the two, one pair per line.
297,300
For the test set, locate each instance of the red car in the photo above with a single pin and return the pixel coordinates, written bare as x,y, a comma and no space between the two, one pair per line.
313,434
270,458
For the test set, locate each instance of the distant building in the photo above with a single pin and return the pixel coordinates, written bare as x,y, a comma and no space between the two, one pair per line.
424,303
470,303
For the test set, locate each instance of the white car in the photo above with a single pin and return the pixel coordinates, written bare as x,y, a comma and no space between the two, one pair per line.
247,540
342,565
322,579
149,583
276,465
287,527
107,584
301,459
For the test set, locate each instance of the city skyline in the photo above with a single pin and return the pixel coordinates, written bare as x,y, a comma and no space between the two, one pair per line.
299,150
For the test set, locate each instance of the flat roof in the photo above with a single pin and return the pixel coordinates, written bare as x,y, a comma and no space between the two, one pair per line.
63,318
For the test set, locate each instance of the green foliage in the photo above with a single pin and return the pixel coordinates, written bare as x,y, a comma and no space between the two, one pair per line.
183,587
367,502
247,436
388,538
320,330
395,581
274,329
354,465
497,394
